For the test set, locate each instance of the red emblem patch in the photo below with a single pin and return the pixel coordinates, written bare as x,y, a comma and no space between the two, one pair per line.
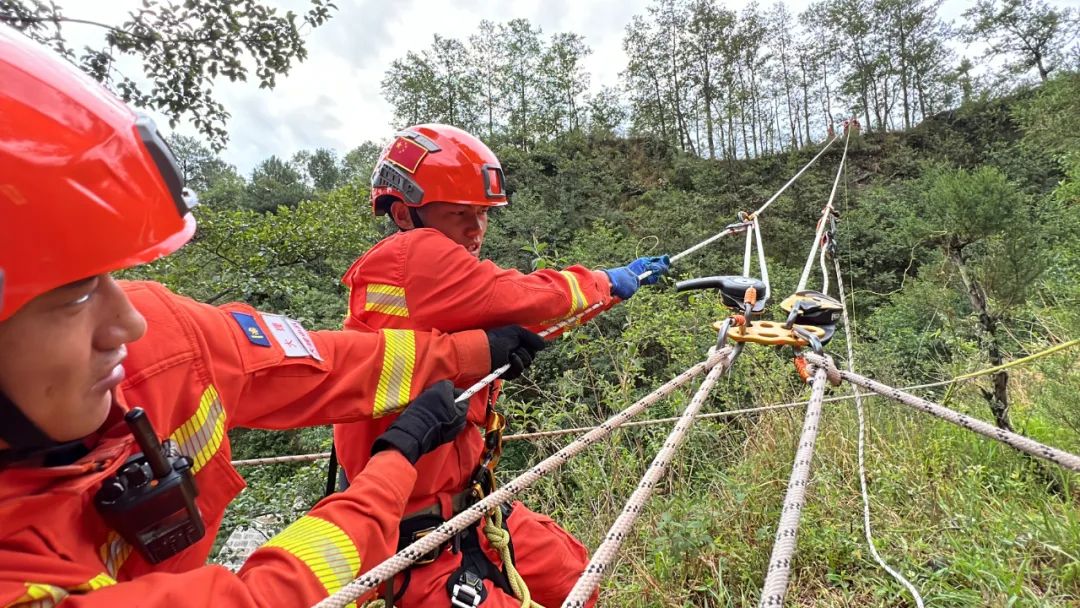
406,154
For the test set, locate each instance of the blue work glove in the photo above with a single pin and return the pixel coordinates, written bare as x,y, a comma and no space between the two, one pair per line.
624,279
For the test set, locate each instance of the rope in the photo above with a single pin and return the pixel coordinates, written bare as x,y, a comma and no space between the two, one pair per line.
1022,360
585,429
776,579
792,180
495,374
824,274
1014,440
499,538
823,221
862,443
280,459
746,253
605,554
682,254
762,266
396,563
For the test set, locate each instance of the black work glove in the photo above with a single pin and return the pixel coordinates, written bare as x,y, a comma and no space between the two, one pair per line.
432,419
515,345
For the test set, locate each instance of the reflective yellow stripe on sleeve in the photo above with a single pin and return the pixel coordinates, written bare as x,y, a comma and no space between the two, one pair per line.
113,553
395,379
323,547
42,595
387,299
99,581
577,297
39,595
200,437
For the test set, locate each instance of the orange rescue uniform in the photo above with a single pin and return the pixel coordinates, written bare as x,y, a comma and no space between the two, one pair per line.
421,279
198,373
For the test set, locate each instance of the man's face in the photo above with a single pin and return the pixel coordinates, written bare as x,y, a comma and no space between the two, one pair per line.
60,355
466,225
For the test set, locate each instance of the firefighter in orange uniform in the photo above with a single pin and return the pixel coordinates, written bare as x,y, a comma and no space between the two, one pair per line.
437,183
97,508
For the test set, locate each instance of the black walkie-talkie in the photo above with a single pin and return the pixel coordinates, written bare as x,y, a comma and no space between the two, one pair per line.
150,501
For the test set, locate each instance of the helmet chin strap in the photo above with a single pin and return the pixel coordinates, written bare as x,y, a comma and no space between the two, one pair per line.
414,214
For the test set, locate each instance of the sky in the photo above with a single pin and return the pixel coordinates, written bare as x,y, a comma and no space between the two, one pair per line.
334,100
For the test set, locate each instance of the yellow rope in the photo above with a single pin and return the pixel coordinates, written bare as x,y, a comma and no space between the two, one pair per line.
500,540
998,368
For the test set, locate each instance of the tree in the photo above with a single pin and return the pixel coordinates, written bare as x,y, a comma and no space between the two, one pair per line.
359,163
484,50
564,81
982,227
1029,31
183,48
708,36
454,98
409,85
199,165
605,111
521,49
275,183
323,169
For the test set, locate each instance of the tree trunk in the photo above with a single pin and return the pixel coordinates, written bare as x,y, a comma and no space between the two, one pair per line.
998,398
806,99
707,91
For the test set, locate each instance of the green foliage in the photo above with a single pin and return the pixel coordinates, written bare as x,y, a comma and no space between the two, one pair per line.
182,48
1030,33
289,261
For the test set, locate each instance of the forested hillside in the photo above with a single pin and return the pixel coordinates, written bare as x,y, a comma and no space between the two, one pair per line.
969,521
958,234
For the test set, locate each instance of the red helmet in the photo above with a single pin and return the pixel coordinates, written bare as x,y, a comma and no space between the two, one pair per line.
86,185
436,164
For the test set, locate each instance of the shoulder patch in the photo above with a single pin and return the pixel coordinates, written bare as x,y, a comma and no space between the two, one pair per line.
293,338
251,328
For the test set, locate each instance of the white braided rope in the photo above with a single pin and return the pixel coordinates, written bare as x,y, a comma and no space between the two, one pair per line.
867,532
776,579
585,429
1014,440
281,459
605,554
823,221
370,580
796,176
496,373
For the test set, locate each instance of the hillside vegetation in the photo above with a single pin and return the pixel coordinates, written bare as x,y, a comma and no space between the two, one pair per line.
969,521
